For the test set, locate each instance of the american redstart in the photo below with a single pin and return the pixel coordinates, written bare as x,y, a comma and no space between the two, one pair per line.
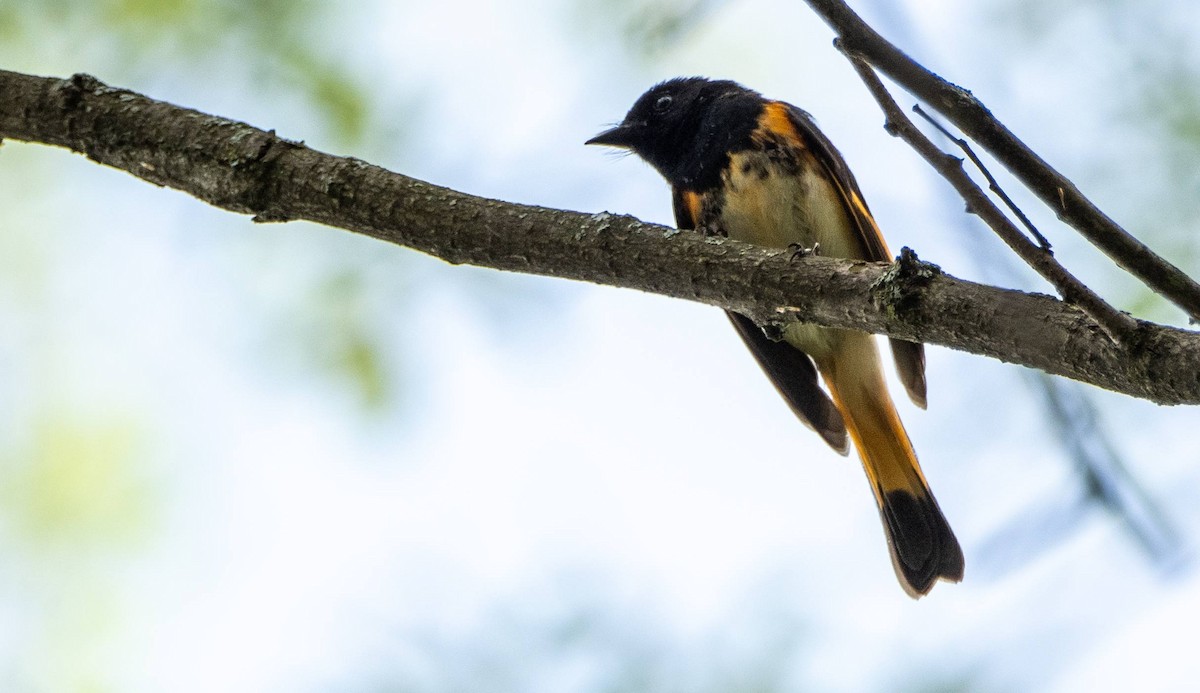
759,171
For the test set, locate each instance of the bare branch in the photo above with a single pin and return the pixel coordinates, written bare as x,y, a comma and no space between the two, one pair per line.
993,184
970,116
246,170
1118,325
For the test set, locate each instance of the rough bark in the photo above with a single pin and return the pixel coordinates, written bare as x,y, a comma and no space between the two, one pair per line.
246,170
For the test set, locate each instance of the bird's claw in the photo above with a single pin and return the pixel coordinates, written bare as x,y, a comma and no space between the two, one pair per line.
799,251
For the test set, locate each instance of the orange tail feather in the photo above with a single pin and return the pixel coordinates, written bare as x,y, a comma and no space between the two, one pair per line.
922,545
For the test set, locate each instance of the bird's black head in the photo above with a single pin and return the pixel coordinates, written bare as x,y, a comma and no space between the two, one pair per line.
685,127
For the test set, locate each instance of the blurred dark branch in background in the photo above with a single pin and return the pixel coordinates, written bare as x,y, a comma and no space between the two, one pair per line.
970,116
246,170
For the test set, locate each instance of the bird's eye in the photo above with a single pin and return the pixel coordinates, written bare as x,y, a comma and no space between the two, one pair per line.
663,103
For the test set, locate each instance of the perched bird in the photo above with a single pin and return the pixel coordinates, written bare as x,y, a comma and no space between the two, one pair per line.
760,171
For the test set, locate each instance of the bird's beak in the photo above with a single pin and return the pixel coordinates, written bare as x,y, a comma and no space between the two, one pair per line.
623,135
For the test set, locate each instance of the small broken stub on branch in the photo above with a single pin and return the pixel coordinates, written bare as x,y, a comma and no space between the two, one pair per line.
898,289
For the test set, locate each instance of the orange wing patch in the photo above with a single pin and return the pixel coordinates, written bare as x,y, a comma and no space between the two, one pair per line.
779,118
694,204
867,226
776,120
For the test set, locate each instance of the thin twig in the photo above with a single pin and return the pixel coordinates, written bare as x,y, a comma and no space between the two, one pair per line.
1117,325
993,185
970,116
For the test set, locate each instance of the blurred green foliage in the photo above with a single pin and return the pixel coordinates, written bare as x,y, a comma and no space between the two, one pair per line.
73,496
276,41
77,483
342,332
277,50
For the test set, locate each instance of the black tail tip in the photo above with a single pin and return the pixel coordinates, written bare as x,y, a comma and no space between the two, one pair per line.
923,547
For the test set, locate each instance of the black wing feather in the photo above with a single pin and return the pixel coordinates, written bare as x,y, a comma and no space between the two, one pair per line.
790,369
795,376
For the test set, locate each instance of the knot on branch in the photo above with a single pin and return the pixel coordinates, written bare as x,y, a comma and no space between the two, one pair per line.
70,95
256,154
73,89
898,290
85,82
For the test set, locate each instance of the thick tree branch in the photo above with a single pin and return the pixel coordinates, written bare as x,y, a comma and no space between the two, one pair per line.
243,169
974,119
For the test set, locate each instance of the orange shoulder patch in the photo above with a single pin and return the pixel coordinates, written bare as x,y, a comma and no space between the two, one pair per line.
776,120
693,203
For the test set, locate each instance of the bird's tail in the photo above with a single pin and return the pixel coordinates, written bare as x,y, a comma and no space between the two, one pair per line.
922,545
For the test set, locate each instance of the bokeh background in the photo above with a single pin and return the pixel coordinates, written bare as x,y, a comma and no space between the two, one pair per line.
245,457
